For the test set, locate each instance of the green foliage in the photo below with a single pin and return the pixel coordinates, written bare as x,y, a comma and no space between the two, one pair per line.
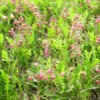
49,50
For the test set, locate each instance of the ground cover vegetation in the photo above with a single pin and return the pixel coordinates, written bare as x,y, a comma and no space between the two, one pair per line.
49,49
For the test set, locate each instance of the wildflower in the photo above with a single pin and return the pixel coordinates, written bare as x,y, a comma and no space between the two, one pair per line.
19,28
13,1
98,40
87,2
72,47
79,54
23,32
97,82
77,26
15,22
23,25
77,16
21,19
80,4
43,16
12,32
83,73
36,64
72,68
30,32
41,76
53,77
16,11
30,78
12,16
12,46
35,9
53,19
44,22
97,71
49,71
64,13
46,51
73,55
98,19
62,74
45,43
5,18
20,42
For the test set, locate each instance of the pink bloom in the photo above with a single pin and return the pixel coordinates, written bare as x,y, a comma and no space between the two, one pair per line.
12,46
23,32
97,82
20,42
77,26
46,51
30,78
36,64
15,22
62,74
97,71
98,19
19,28
41,76
98,40
12,32
21,18
13,1
77,17
79,54
80,4
72,47
24,25
45,43
53,77
49,71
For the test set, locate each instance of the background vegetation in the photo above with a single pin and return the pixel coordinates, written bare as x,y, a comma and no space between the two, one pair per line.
49,49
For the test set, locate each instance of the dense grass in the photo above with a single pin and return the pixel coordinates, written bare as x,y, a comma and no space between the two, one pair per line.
49,50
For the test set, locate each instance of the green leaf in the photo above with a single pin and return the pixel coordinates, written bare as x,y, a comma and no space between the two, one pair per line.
1,38
4,55
29,52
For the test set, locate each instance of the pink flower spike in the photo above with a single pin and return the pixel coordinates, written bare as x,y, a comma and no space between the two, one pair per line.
49,71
